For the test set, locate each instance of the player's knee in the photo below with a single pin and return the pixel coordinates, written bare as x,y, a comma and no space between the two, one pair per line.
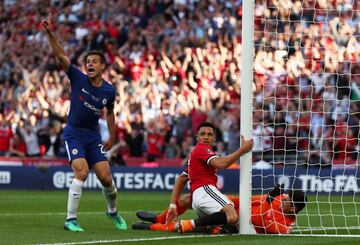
105,180
231,214
82,174
232,218
80,169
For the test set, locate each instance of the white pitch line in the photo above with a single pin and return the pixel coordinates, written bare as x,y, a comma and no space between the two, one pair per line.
129,240
321,235
326,228
184,237
61,213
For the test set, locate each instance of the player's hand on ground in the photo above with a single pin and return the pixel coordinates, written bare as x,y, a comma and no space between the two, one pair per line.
246,145
109,144
277,191
46,24
171,215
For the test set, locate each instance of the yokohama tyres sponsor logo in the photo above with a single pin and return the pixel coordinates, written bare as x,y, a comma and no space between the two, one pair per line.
91,107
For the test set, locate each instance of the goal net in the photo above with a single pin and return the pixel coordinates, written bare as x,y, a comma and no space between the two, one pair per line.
306,108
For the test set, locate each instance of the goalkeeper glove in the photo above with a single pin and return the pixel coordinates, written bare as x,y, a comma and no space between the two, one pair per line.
277,191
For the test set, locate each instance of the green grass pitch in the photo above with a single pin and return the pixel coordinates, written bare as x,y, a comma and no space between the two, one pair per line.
37,217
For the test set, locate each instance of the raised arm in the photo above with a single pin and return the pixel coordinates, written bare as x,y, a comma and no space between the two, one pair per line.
54,43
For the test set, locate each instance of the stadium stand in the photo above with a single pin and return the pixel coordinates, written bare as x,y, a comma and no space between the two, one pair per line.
175,64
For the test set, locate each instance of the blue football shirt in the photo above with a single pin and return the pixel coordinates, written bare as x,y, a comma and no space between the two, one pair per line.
87,101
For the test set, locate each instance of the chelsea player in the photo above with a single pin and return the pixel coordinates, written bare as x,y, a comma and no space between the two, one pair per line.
89,95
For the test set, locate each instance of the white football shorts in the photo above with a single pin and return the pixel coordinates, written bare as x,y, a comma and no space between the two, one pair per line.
208,199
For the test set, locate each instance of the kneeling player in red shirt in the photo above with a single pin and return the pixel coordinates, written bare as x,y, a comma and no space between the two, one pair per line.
273,213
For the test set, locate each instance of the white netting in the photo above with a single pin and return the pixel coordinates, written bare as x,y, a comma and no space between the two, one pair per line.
306,108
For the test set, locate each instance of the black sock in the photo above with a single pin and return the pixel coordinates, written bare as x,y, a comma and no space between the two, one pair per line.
218,218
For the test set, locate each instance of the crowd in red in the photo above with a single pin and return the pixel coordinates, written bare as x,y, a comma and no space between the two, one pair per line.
177,63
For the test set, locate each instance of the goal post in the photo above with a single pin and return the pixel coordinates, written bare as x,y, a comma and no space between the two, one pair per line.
300,101
246,114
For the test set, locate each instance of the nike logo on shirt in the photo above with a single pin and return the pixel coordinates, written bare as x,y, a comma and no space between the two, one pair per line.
86,92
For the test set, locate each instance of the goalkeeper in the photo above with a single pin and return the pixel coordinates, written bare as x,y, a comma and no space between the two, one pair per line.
272,213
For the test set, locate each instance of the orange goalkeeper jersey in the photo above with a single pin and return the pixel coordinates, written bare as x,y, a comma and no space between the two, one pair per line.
268,218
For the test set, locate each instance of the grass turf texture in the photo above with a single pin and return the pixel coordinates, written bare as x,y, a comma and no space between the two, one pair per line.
37,217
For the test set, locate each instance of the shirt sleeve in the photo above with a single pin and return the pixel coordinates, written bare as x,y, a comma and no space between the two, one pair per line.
186,171
75,74
111,102
205,153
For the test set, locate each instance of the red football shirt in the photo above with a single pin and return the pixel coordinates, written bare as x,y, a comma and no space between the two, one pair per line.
200,172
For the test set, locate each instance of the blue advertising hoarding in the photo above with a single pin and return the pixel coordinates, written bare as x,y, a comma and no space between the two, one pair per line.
19,177
162,179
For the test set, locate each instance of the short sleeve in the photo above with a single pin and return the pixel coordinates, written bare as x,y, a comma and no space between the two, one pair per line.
75,74
186,170
111,102
205,153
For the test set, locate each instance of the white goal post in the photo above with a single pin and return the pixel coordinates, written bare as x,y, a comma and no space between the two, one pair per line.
246,114
300,101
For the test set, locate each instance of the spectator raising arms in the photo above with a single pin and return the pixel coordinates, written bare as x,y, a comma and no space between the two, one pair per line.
180,60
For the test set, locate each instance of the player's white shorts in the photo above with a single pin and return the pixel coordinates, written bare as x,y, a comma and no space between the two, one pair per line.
208,199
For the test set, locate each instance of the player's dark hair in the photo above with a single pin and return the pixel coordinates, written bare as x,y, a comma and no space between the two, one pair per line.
206,124
299,199
95,52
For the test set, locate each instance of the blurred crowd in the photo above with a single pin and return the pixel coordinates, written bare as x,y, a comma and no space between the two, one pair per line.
177,63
